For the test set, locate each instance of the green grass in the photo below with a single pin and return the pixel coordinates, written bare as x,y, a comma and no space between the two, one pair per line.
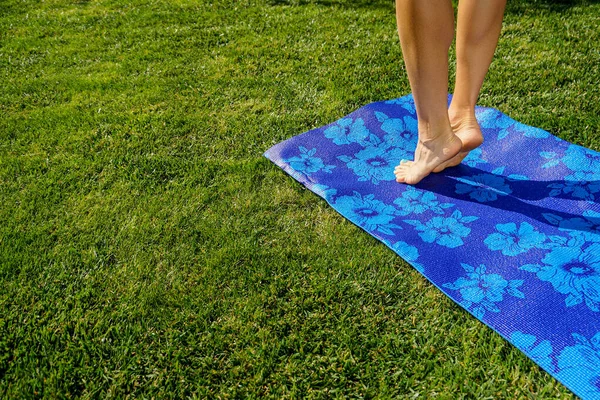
148,250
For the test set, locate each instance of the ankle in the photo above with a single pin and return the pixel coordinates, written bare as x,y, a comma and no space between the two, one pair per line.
460,105
460,114
433,130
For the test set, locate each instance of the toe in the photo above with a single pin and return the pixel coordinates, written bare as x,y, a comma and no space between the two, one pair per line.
403,164
401,173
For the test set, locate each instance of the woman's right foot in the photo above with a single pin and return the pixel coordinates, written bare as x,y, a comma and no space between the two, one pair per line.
465,126
433,149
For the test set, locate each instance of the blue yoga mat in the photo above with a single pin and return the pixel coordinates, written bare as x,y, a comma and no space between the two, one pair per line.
512,234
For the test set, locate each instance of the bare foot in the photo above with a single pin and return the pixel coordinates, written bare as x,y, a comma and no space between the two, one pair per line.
467,129
429,154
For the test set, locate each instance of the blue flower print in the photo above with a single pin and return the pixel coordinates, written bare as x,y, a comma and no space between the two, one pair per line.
578,188
307,164
573,271
474,157
581,237
445,231
405,102
401,132
528,131
408,253
324,191
481,291
513,241
493,121
483,187
590,223
368,212
552,158
580,159
346,131
580,366
375,163
539,353
415,201
584,182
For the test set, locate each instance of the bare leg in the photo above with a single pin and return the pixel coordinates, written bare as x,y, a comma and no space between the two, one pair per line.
479,24
426,30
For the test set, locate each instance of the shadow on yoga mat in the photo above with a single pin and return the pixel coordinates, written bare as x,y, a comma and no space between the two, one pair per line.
512,234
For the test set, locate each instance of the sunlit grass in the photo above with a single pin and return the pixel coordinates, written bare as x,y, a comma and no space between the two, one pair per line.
148,249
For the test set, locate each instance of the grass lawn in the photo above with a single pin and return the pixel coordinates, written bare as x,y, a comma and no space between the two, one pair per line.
148,250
